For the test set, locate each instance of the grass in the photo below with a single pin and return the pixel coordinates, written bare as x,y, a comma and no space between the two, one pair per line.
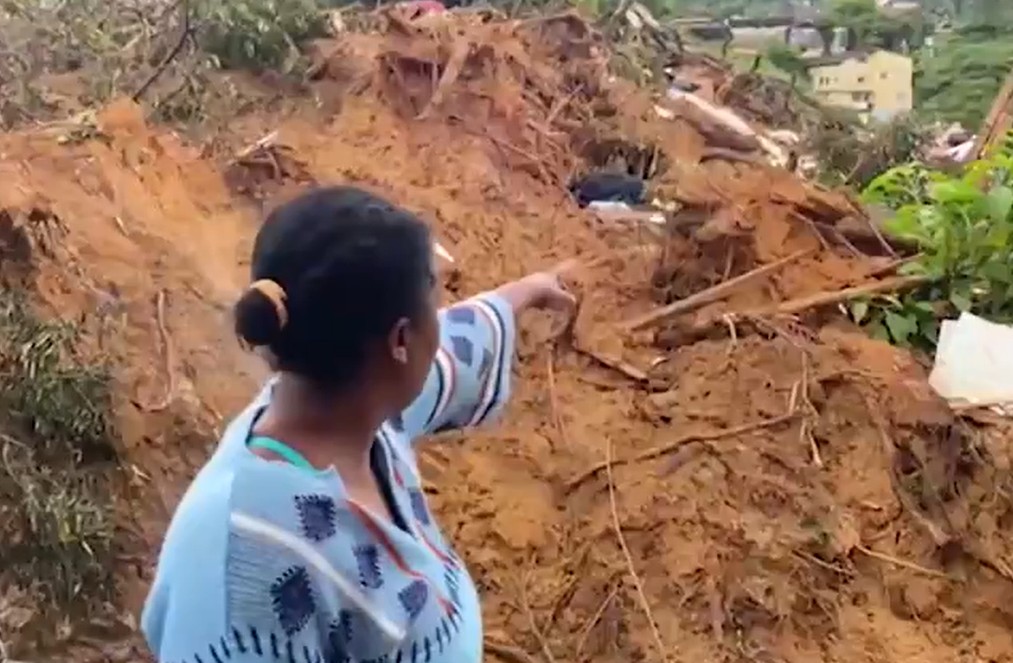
57,459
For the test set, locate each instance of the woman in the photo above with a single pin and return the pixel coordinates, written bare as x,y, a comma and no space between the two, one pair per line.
306,537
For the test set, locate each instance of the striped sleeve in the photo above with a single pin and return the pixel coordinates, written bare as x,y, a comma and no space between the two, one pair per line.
469,381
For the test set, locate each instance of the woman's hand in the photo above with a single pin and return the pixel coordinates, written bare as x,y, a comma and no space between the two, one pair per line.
550,292
543,290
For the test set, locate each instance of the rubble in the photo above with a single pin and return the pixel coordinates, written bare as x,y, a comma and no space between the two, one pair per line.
773,486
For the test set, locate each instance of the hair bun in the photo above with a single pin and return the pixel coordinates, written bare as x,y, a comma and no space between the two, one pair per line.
261,313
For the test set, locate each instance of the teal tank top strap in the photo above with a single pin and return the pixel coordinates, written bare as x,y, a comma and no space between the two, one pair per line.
286,452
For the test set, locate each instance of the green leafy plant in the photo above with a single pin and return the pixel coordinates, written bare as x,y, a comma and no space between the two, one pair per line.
964,226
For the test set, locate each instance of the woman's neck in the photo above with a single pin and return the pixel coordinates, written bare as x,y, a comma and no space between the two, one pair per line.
326,428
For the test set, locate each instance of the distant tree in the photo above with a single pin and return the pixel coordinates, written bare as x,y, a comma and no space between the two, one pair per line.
958,82
992,12
860,17
788,60
896,34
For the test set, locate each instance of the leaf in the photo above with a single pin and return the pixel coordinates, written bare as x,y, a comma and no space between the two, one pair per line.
998,271
955,192
879,332
999,203
961,302
910,268
900,327
998,235
904,223
859,310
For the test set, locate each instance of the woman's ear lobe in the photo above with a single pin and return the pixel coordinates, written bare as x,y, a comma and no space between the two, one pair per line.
399,341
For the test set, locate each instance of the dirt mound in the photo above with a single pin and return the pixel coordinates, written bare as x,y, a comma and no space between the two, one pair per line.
784,489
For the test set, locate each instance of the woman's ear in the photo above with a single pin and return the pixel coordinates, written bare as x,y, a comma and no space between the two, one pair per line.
398,341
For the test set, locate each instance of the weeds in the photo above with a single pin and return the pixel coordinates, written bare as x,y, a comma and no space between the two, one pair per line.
62,405
56,464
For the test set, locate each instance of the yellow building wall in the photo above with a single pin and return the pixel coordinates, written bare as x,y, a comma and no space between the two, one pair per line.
891,76
881,83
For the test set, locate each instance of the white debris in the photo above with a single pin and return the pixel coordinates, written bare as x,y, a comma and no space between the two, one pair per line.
442,252
974,365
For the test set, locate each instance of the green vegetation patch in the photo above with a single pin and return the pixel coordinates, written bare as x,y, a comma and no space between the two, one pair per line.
959,81
963,224
57,460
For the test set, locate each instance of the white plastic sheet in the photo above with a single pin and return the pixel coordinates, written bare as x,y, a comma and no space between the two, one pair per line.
974,364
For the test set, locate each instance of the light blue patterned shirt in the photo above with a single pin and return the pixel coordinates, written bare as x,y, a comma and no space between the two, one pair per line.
266,561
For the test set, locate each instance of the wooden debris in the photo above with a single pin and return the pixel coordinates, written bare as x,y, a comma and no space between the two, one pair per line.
711,294
791,307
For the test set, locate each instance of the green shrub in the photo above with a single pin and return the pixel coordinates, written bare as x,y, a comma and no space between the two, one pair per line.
964,226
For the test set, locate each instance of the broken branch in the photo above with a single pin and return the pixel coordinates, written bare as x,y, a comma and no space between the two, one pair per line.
794,306
711,294
675,337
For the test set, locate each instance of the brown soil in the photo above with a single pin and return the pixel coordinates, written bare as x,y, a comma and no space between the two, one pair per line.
858,520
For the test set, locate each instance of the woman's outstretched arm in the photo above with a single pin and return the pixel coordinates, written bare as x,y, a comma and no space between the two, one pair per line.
470,378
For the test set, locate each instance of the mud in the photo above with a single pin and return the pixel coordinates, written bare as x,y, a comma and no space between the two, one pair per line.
853,517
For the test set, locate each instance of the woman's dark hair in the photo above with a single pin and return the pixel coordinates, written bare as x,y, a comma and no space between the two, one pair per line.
349,265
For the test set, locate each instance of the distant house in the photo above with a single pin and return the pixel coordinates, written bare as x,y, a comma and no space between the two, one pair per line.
877,85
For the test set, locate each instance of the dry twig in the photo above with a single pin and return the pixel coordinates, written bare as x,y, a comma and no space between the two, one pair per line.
681,442
508,652
554,399
709,295
616,364
591,623
537,632
266,141
879,237
903,563
894,265
805,431
794,306
170,56
812,559
629,558
167,350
